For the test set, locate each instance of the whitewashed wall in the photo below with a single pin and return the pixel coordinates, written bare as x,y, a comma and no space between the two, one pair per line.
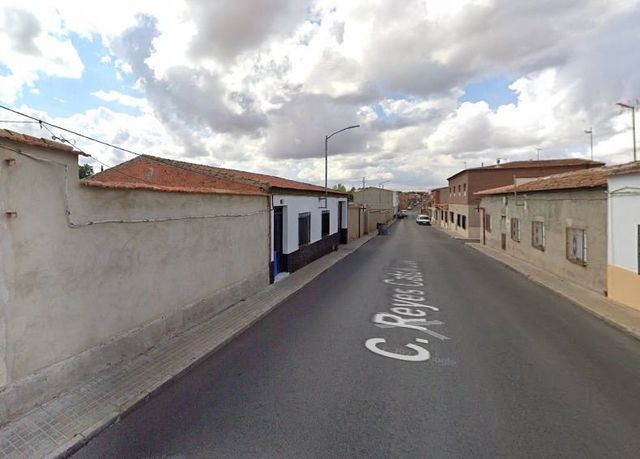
297,204
624,218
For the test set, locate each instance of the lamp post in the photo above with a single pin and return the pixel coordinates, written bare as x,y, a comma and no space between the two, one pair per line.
633,124
590,132
326,161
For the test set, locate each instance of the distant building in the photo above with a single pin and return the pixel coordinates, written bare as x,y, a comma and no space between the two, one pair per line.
463,213
378,199
623,266
438,209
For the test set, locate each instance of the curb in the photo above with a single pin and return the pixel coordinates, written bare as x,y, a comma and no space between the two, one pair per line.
76,443
634,333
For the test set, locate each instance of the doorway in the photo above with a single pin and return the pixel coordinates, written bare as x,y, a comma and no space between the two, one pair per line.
278,235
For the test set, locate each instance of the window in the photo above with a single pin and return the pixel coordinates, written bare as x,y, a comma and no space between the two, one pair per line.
487,222
464,222
515,229
325,223
537,235
457,219
451,216
577,246
304,228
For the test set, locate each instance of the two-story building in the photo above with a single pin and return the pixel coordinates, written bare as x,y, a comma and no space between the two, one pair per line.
464,205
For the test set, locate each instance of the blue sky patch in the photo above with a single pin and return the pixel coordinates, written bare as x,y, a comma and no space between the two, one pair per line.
494,91
67,96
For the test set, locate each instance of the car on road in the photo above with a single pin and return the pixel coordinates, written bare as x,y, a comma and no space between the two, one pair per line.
402,214
423,220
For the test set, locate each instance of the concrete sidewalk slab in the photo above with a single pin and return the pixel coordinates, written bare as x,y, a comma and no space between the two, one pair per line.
453,234
620,316
63,425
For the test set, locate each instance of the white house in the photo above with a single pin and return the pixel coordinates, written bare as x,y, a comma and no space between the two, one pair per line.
623,267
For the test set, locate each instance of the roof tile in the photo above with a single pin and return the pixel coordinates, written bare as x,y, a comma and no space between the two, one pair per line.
37,142
162,174
534,163
583,178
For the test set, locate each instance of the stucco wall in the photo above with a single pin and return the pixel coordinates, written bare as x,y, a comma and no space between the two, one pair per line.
623,243
585,209
472,229
357,222
65,291
377,198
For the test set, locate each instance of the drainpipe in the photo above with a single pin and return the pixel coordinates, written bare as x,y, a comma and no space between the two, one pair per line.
484,234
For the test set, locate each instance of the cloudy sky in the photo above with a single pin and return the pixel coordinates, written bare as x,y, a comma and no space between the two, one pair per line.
257,84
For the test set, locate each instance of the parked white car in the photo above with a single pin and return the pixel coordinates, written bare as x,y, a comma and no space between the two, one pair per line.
423,220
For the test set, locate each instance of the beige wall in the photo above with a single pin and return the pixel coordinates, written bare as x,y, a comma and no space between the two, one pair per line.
586,209
357,223
623,286
472,230
377,216
76,299
377,198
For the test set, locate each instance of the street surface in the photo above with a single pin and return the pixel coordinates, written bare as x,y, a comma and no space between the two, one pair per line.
466,358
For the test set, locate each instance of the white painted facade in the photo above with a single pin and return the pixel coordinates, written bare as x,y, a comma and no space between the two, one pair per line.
624,219
293,205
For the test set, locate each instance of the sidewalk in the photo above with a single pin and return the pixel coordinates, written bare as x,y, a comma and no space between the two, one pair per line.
453,234
618,315
63,425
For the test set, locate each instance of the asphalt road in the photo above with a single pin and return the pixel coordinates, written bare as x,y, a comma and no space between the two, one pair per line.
510,369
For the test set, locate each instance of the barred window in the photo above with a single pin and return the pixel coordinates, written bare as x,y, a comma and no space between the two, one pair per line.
304,228
577,246
537,235
515,229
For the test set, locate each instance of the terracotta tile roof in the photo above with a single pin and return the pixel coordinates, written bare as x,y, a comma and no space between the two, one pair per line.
268,181
148,173
550,163
153,173
627,168
37,142
583,178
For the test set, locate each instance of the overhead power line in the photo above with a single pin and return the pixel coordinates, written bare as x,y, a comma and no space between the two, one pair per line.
44,124
70,131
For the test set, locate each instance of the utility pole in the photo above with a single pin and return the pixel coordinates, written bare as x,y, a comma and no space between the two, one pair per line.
363,192
590,132
633,125
326,161
538,150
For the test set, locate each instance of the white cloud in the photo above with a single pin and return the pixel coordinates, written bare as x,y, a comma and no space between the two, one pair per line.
122,99
258,84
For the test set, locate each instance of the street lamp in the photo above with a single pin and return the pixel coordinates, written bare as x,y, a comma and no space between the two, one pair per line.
326,162
633,124
590,132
